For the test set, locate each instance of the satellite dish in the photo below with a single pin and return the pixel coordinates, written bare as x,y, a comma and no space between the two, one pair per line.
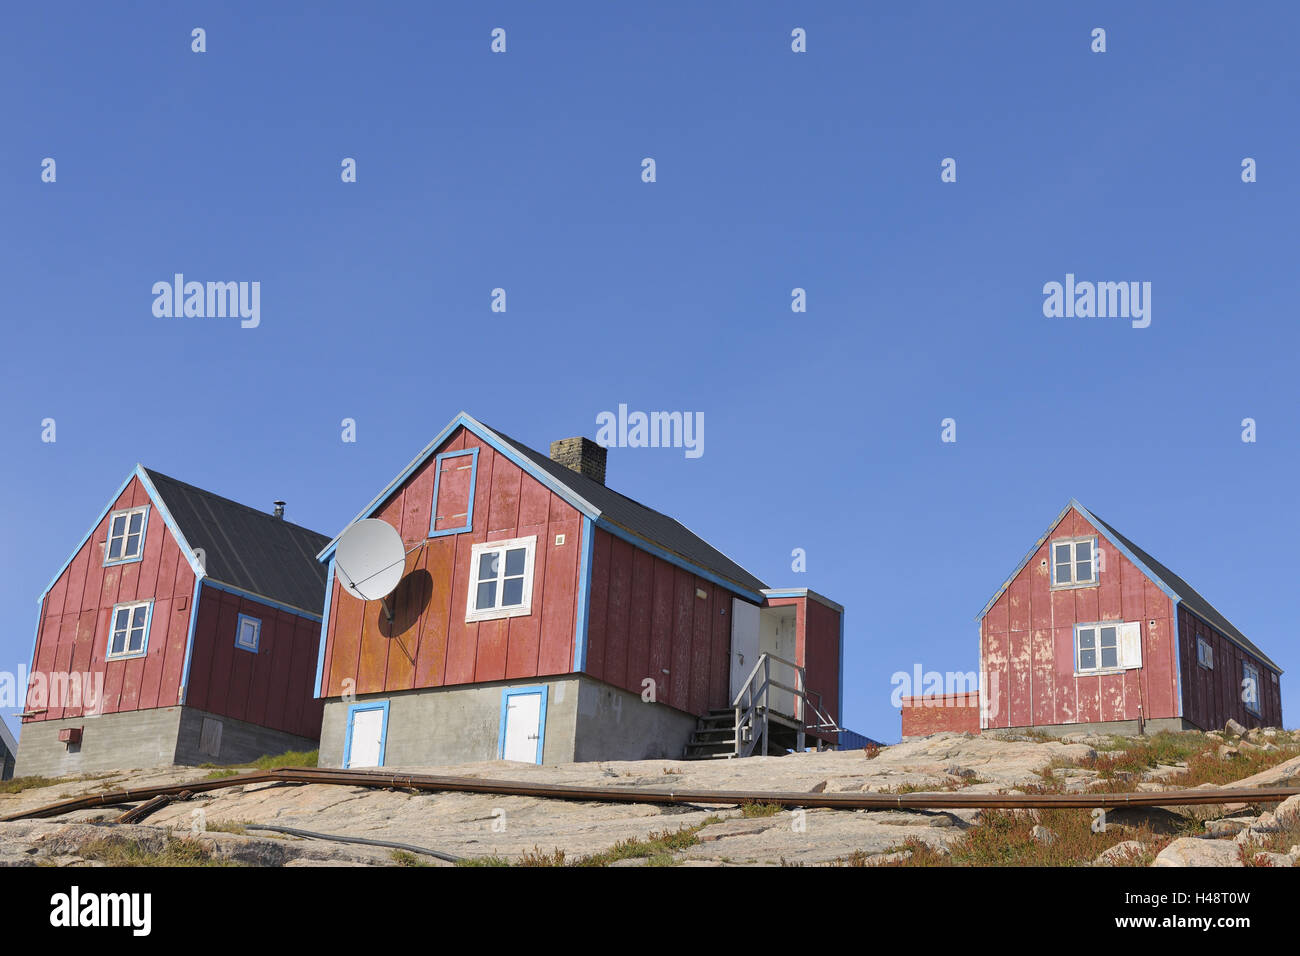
370,559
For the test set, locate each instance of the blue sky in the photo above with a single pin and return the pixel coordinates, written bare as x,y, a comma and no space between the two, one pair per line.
775,170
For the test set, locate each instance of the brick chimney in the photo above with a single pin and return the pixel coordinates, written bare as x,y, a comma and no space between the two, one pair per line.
581,455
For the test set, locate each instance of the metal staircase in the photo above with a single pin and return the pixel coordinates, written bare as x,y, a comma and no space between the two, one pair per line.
756,722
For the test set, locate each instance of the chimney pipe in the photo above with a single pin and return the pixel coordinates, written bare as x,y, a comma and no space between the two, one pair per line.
581,455
279,509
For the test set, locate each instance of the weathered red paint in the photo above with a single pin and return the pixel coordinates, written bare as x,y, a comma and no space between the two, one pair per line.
273,687
935,713
1212,696
646,618
429,643
1027,643
72,633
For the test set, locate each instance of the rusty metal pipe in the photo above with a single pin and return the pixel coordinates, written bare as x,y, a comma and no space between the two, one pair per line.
834,801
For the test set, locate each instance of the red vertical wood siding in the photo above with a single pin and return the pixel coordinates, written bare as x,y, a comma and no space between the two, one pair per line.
1211,696
431,644
272,688
1027,643
645,618
75,617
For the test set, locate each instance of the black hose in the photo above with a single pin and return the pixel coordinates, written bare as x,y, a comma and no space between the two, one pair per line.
347,839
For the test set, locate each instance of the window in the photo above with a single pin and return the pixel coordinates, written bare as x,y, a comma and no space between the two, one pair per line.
247,633
1250,687
501,579
1074,562
1204,653
1107,647
126,535
1098,647
129,630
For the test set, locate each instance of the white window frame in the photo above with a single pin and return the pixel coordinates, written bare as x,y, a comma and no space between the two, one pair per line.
256,622
1072,544
126,652
1099,668
126,513
525,607
1204,653
1257,708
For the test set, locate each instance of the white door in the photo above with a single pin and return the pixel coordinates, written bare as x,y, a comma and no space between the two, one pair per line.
523,727
744,642
366,743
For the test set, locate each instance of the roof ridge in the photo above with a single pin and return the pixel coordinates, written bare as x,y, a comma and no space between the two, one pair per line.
154,472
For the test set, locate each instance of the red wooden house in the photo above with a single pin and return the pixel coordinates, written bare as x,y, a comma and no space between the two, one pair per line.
1091,632
183,629
543,616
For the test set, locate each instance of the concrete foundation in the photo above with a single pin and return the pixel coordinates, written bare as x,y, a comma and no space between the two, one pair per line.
585,720
1125,728
139,739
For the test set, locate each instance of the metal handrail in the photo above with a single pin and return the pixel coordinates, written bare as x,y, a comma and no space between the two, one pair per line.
753,702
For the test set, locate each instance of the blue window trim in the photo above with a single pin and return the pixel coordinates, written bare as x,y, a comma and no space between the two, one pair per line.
473,483
1099,670
1256,709
144,530
506,694
383,730
1210,647
257,633
148,623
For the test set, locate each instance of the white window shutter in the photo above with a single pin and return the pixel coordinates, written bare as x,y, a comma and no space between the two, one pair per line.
1130,645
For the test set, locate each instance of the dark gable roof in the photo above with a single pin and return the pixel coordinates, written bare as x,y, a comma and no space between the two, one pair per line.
246,548
1191,598
646,523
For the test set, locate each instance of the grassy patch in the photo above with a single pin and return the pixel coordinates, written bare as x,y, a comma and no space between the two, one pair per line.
293,758
484,861
657,849
947,786
1279,842
407,858
117,851
19,784
760,809
227,826
1135,756
1005,838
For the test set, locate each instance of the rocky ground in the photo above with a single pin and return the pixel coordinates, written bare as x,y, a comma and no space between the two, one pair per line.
212,828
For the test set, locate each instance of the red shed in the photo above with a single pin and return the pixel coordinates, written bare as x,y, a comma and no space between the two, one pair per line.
1091,632
543,616
183,629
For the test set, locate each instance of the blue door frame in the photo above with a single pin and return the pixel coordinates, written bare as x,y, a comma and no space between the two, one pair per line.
383,730
506,694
